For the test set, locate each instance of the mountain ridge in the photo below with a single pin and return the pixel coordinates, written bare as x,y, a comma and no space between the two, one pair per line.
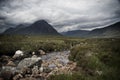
40,27
108,31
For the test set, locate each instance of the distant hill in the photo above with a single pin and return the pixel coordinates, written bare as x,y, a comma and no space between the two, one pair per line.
76,33
108,32
40,27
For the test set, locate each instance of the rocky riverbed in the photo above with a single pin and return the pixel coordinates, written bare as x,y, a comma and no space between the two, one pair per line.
37,66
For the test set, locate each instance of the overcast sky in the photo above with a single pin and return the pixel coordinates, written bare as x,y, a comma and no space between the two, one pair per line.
64,15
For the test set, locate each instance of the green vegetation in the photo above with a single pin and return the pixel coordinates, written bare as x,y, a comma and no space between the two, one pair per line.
97,59
9,44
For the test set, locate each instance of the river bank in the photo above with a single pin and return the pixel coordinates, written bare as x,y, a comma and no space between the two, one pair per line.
35,67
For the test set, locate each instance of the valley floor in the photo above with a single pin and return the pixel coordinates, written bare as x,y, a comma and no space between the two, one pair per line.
59,58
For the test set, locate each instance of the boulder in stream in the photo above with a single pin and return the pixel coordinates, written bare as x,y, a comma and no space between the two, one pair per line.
30,62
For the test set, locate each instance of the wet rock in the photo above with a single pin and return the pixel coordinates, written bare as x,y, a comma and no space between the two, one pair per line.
17,77
38,68
11,63
52,66
35,71
18,54
9,68
41,52
47,70
72,65
25,70
43,75
41,69
33,53
30,62
34,56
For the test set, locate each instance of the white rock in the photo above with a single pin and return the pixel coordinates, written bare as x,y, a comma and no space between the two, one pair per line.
18,53
34,56
41,69
33,53
27,62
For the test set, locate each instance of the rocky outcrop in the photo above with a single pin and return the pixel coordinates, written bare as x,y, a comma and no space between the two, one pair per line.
38,68
67,69
18,54
30,62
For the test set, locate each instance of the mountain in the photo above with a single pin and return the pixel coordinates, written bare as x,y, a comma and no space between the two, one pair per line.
107,32
40,27
14,30
76,33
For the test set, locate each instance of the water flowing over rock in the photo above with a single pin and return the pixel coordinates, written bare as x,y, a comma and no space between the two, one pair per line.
29,62
37,67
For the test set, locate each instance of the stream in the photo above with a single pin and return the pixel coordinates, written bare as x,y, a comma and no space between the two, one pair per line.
55,58
55,62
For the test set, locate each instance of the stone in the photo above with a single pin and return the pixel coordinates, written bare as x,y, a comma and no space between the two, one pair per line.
52,66
9,68
18,54
17,77
34,56
35,71
41,69
11,63
24,70
47,70
29,62
41,52
33,53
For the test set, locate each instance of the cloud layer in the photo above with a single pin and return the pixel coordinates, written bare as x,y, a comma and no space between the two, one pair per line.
64,15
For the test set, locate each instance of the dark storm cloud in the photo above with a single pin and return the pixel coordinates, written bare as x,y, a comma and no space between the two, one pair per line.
64,15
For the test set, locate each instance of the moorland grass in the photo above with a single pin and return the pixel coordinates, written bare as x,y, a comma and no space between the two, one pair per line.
97,59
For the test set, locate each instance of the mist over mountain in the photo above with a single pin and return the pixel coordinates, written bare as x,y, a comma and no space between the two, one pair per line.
109,31
40,27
